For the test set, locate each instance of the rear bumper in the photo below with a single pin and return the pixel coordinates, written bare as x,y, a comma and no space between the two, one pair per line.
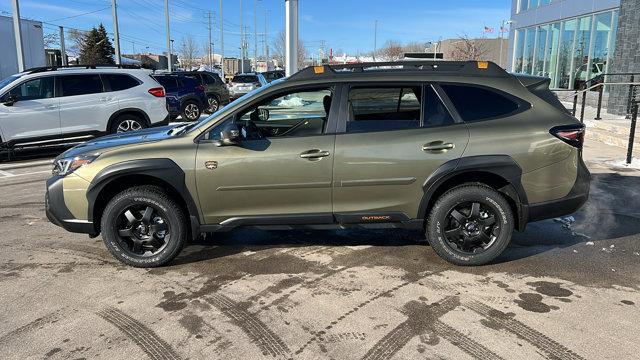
163,122
566,205
57,212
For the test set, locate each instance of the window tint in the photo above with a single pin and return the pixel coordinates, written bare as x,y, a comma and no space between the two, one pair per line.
120,81
380,109
168,82
208,79
245,79
41,88
435,113
302,113
476,103
80,84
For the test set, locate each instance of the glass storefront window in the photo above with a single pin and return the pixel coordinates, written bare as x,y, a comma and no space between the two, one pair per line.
518,49
601,44
551,60
541,43
544,2
529,43
523,5
581,52
565,53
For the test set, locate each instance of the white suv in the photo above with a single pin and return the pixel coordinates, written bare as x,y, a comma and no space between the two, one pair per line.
47,105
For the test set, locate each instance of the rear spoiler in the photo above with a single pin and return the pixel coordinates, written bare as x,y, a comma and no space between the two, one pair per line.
539,86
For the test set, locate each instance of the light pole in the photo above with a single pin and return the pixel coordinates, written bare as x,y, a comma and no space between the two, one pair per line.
291,37
169,41
375,39
18,35
221,43
502,24
116,32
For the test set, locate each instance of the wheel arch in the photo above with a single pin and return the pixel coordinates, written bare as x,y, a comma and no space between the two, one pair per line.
160,172
134,111
500,172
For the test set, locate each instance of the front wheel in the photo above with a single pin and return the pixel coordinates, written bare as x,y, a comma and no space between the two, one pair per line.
470,225
143,227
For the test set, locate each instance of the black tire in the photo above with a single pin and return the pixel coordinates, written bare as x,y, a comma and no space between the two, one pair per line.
171,218
495,237
213,104
190,111
126,123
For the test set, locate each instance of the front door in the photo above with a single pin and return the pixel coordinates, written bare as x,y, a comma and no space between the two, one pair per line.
394,138
36,114
280,170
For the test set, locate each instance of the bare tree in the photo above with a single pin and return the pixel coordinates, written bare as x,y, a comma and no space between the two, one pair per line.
50,40
391,51
279,49
468,49
188,52
74,41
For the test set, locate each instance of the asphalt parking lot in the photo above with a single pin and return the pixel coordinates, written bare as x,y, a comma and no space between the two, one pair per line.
565,289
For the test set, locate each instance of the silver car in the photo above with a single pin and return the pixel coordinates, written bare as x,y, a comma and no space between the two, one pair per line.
244,83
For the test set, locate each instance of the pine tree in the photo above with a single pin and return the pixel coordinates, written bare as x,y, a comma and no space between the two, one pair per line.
96,48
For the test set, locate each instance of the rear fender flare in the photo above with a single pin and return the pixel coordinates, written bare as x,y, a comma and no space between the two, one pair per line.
503,166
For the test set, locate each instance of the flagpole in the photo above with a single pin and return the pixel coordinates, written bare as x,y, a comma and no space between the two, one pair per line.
500,30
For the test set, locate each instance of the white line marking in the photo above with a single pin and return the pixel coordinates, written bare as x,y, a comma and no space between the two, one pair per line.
6,174
10,175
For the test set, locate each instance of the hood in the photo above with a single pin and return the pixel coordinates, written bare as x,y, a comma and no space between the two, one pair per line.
100,144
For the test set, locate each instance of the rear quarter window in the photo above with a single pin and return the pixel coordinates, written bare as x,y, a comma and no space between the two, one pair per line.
121,81
476,103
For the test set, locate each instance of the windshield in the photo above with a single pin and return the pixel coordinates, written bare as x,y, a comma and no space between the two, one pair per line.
222,112
8,80
245,79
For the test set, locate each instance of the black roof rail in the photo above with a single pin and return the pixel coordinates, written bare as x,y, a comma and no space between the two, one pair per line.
474,68
54,68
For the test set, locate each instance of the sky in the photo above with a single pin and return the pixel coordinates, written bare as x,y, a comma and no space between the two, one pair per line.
343,25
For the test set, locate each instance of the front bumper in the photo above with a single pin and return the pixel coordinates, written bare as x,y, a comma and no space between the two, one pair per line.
58,213
569,204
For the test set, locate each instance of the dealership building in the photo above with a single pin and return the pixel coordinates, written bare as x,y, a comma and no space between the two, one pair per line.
571,41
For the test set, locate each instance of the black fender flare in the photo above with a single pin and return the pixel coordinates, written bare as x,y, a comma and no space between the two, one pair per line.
136,111
160,168
503,166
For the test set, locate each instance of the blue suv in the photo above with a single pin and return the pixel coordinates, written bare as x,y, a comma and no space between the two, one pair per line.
185,96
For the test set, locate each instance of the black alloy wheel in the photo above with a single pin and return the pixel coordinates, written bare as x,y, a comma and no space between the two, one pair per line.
142,231
471,227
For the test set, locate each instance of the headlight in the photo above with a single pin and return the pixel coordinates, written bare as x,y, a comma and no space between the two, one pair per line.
68,165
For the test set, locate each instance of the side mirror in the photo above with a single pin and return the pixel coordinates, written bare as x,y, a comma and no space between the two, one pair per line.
263,114
11,99
228,138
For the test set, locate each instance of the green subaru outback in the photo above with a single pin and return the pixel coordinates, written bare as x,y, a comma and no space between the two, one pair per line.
462,150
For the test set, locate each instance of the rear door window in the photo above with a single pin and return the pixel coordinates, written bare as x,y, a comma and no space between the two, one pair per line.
476,103
73,85
120,81
383,109
208,79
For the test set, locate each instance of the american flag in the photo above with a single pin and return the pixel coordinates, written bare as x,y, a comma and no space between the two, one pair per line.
503,29
488,30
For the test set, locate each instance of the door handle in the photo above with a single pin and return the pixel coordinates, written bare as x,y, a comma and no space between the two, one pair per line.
314,154
51,106
438,146
104,99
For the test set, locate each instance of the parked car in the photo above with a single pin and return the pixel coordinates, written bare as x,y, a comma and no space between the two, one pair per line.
62,104
244,83
214,87
463,151
185,96
273,75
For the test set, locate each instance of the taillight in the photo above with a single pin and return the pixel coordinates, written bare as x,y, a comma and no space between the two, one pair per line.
571,134
157,92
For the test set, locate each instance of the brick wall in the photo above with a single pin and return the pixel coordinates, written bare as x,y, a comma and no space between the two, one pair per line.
627,54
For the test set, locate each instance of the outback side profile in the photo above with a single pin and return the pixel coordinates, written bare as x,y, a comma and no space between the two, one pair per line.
462,150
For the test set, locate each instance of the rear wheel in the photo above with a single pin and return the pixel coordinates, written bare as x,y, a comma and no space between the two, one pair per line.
190,111
143,227
470,225
213,103
127,122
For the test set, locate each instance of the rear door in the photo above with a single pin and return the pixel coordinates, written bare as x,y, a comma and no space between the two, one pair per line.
36,114
84,104
393,138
